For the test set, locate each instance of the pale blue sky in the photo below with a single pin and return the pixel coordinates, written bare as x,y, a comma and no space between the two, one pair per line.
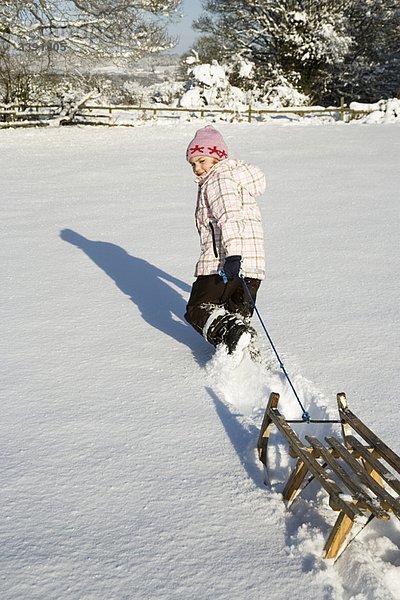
191,9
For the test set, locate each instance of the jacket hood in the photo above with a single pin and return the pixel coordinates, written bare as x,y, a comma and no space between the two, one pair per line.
250,177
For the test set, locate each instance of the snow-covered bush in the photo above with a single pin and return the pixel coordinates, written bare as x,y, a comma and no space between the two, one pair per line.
209,85
384,111
166,92
114,91
64,92
17,79
135,93
280,93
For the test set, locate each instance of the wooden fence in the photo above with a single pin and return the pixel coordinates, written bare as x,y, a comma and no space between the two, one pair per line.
40,115
13,115
249,115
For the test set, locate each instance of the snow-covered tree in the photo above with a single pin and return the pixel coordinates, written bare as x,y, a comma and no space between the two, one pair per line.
310,44
372,66
39,36
299,41
116,29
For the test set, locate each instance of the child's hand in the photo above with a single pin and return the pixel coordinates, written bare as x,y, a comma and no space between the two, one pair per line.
232,266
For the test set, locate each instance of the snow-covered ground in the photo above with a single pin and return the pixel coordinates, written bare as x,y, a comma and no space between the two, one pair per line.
128,466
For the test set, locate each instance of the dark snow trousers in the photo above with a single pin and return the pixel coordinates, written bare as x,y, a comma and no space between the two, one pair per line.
209,293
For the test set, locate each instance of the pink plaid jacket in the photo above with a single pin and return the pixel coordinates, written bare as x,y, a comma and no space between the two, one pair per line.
228,218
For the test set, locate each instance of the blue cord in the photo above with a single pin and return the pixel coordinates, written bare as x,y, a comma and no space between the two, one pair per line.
305,416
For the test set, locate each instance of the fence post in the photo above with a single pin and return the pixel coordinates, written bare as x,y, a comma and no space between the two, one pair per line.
342,108
249,117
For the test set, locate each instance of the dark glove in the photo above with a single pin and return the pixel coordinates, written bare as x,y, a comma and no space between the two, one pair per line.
232,266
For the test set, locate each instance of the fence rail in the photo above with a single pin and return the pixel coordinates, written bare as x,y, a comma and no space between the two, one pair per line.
33,115
37,115
250,113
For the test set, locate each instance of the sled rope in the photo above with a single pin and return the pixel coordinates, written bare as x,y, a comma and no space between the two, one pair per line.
305,415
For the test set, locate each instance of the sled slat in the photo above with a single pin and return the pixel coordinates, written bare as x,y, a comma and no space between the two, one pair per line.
375,464
359,494
381,493
371,438
335,500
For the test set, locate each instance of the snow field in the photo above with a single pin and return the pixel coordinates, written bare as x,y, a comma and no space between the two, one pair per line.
128,465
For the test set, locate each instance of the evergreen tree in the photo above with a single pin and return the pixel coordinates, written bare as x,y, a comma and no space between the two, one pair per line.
323,48
372,67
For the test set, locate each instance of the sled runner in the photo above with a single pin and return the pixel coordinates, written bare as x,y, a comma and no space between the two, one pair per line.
360,474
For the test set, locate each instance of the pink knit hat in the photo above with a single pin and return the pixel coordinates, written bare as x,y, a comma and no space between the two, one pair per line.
207,142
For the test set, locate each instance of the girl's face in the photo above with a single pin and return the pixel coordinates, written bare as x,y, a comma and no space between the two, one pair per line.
202,164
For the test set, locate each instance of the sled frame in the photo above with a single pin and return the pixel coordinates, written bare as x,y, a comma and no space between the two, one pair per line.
360,474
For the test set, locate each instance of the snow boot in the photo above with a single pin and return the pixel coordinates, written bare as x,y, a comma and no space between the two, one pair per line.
229,330
237,338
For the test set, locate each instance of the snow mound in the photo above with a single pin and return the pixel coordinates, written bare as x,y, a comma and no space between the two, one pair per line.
384,111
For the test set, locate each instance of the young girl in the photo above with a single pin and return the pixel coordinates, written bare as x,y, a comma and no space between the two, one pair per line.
231,239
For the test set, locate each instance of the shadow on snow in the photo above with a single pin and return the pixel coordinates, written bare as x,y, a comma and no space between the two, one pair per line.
147,286
243,436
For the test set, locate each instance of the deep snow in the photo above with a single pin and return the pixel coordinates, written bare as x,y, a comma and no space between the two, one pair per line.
128,468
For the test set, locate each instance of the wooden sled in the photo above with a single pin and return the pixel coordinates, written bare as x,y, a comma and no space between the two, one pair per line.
360,474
